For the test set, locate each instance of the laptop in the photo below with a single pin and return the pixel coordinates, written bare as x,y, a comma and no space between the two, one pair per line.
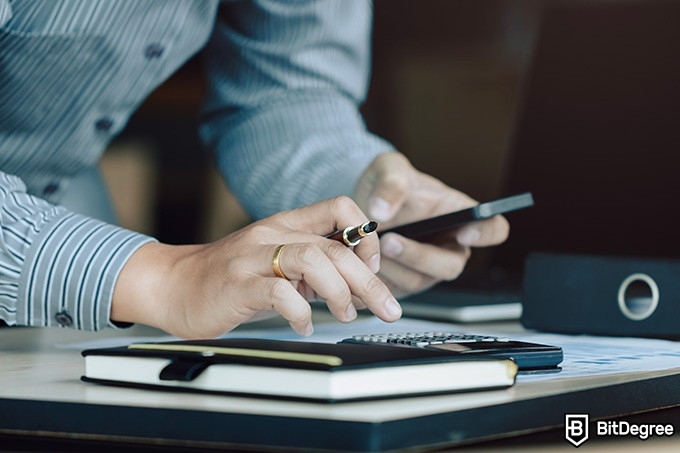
597,142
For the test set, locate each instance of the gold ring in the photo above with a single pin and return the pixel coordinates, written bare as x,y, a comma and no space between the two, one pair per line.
276,262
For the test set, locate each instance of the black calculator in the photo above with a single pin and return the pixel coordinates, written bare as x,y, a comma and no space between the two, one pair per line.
527,356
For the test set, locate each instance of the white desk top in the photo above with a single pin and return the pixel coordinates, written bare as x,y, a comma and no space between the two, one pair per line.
42,365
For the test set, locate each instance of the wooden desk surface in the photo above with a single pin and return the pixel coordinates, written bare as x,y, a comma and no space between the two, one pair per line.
41,395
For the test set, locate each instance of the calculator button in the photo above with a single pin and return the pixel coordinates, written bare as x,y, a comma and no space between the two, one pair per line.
421,339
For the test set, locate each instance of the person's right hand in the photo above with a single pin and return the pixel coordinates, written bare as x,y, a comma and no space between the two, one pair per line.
203,291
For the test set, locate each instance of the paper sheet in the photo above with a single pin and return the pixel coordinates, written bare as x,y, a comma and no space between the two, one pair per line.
584,355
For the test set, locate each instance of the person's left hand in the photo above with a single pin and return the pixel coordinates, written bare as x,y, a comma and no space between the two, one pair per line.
391,191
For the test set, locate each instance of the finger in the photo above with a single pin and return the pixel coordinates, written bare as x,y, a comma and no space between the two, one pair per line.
324,217
358,303
309,263
430,260
279,295
402,280
484,233
368,251
363,283
386,185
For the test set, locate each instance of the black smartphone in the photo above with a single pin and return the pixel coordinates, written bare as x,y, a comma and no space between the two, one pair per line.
421,229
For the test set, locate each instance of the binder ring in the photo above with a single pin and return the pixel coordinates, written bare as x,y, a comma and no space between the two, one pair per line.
637,307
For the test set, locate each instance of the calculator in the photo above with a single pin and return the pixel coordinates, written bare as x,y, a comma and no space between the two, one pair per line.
528,356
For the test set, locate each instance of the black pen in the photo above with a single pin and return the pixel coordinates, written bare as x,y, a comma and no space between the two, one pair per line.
351,236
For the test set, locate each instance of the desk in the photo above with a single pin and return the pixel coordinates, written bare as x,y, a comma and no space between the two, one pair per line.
41,395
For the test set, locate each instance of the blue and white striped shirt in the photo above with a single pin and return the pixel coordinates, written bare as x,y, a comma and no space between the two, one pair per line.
286,79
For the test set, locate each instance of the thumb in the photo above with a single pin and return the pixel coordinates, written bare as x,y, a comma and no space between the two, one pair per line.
385,186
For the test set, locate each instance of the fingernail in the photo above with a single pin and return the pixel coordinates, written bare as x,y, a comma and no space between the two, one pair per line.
393,308
391,246
308,330
350,313
379,209
374,263
468,236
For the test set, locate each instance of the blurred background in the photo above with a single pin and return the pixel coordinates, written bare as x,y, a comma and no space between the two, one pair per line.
598,144
444,84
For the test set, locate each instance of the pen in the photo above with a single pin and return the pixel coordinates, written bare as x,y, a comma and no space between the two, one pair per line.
351,236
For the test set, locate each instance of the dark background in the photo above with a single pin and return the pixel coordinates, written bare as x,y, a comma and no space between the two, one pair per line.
444,83
448,81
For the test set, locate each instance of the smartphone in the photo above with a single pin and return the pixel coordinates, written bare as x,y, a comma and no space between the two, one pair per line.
421,229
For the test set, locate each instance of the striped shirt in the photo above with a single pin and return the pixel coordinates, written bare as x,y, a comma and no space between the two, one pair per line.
285,82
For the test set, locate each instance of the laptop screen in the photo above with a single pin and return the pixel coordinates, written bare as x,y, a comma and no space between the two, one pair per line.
597,135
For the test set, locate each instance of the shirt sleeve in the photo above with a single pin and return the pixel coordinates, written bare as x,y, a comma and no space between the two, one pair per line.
286,79
5,12
57,267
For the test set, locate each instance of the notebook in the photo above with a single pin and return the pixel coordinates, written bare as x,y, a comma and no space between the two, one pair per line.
322,372
595,140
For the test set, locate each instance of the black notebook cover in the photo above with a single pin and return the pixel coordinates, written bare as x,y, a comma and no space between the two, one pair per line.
318,371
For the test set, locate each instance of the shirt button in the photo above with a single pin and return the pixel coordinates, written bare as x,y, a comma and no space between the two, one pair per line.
103,124
64,319
51,188
153,51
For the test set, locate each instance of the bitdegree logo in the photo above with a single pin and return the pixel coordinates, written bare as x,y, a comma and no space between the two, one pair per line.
623,428
576,429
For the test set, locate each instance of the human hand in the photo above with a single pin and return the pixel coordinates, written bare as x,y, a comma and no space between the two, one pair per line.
392,192
200,291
